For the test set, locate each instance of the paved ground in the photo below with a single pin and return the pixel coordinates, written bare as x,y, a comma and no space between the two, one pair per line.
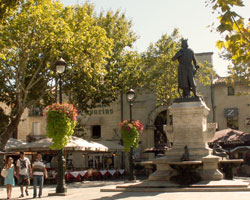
91,191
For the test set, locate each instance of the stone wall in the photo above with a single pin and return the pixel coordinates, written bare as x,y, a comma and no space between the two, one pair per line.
224,101
26,126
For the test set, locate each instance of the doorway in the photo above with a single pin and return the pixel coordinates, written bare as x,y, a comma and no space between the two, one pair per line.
160,137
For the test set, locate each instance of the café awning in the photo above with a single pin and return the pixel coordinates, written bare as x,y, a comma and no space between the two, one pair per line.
12,143
230,136
76,144
240,148
112,146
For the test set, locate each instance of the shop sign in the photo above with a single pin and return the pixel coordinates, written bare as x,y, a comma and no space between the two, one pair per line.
101,110
231,112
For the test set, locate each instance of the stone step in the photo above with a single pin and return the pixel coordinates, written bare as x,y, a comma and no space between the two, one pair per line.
219,189
166,186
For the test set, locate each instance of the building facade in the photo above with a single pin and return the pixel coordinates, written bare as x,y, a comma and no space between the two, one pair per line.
231,105
102,123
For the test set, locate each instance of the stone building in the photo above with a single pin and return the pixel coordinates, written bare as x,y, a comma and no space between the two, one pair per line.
231,105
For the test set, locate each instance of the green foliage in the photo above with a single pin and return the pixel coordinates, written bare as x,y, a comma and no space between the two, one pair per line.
130,138
31,39
124,67
236,43
7,7
61,121
130,134
100,66
161,72
60,128
30,43
39,33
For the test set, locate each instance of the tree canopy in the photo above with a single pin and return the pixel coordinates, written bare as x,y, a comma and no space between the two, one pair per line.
101,84
235,44
7,7
42,31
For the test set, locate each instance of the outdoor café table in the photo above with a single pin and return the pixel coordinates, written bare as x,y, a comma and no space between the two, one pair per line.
74,175
112,171
83,173
103,172
121,171
96,173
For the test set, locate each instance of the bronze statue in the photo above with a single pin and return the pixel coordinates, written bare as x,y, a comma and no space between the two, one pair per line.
185,156
186,71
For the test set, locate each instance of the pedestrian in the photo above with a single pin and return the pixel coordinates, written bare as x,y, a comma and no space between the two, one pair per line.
23,173
39,173
9,180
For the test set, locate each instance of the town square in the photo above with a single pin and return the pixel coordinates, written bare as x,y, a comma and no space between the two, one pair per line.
113,99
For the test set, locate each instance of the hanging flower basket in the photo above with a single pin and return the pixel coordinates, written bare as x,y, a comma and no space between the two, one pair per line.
130,133
61,121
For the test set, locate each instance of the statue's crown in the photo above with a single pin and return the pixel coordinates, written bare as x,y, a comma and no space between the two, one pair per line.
184,43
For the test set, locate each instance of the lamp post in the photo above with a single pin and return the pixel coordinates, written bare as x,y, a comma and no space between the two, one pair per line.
131,97
60,68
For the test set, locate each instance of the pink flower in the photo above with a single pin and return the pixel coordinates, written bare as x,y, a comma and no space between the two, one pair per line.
128,128
68,109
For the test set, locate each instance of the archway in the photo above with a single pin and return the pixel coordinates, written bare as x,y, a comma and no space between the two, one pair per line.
160,138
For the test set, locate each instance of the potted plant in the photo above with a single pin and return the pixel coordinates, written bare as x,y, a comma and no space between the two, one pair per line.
61,121
131,131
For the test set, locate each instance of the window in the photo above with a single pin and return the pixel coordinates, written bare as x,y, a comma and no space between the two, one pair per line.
230,91
95,161
36,111
36,128
232,122
96,131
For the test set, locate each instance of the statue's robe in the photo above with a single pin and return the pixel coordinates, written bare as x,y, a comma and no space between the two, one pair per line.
185,56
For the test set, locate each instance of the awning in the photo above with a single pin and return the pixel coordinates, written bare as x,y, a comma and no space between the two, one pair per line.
230,136
240,148
12,143
75,144
112,146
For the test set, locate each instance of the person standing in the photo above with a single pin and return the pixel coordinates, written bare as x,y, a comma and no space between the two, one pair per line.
9,180
39,172
23,173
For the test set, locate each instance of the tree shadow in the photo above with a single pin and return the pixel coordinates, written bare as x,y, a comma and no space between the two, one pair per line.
123,195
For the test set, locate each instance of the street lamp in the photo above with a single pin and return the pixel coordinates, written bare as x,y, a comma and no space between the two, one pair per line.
131,97
60,68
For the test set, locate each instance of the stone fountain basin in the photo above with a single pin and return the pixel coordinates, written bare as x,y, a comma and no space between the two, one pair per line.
186,172
227,167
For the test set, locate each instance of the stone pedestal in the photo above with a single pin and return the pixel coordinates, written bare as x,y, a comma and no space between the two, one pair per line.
190,128
210,168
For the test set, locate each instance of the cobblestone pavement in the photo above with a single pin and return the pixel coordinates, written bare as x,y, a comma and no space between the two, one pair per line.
91,191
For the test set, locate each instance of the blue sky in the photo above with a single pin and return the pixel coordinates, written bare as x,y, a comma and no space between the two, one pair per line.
152,18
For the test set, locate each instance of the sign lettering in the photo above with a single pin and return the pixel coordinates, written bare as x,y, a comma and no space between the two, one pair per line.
104,111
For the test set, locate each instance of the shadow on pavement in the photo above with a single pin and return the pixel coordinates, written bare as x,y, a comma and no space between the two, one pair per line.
123,195
87,184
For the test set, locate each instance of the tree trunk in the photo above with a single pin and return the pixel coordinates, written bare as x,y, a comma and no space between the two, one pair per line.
11,128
